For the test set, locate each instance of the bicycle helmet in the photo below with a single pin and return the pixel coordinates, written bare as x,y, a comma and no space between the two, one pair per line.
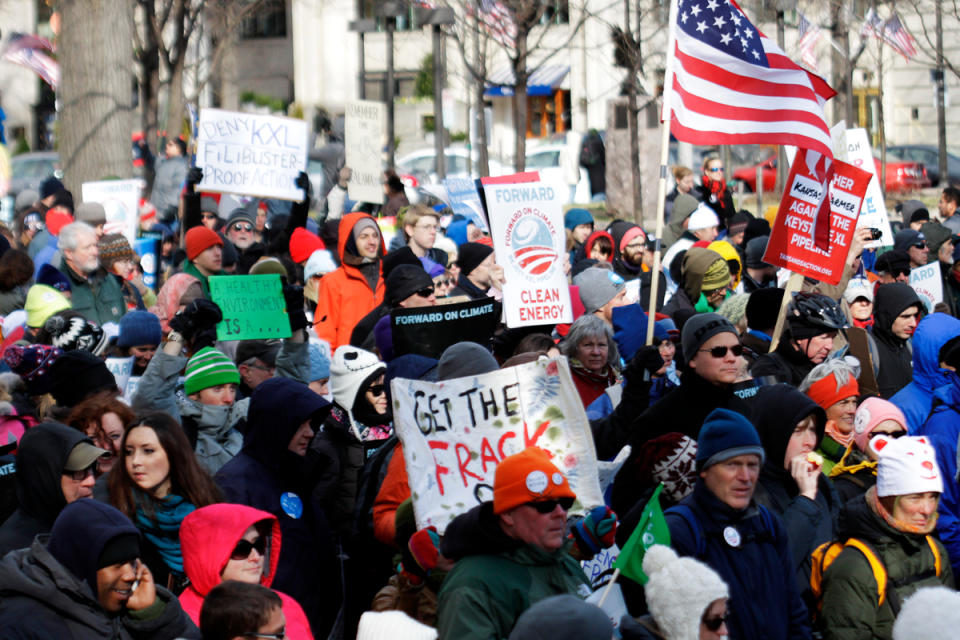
816,311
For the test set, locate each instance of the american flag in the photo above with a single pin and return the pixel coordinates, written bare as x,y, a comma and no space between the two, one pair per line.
808,35
498,21
892,32
28,51
733,85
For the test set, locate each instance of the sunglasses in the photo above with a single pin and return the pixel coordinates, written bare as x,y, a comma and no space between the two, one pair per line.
921,245
426,292
445,283
720,352
280,635
547,506
893,434
715,169
244,547
712,624
377,389
83,474
242,226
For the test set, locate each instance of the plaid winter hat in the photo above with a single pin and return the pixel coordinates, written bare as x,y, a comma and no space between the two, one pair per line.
32,363
670,459
209,368
114,247
76,334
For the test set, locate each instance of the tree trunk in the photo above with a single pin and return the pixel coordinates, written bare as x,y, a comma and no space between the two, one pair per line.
841,65
95,92
480,60
175,100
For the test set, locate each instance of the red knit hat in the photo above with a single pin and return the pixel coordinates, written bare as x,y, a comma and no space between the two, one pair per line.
199,239
56,220
303,244
528,476
826,392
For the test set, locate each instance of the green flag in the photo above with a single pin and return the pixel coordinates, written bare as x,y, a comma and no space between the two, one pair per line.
652,529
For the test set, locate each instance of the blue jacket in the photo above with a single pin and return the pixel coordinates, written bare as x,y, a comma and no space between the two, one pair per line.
916,399
764,601
943,429
266,475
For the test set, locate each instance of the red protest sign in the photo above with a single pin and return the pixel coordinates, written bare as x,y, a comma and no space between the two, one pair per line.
792,244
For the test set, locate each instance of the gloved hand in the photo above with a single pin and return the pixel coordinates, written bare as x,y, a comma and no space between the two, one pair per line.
194,177
303,181
424,546
645,363
199,316
596,531
293,297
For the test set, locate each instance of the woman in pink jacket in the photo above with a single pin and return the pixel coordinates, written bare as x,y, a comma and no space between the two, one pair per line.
233,542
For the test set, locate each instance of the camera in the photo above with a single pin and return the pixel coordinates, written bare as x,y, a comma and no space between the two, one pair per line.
875,234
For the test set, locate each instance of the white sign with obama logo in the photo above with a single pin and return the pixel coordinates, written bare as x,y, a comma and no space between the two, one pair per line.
526,221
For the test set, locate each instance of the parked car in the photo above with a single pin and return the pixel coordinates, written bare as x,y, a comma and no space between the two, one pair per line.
902,175
546,159
929,155
28,170
419,168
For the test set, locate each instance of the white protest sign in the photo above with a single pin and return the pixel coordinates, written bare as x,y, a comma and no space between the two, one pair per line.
364,131
456,432
251,154
526,220
122,369
121,204
928,283
873,213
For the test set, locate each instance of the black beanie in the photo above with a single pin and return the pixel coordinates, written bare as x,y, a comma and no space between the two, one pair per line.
950,353
470,255
123,548
63,199
404,281
763,308
397,257
78,374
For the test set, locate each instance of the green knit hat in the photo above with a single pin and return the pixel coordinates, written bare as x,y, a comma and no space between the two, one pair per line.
209,368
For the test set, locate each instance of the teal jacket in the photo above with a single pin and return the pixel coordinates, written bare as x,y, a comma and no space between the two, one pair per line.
98,297
497,578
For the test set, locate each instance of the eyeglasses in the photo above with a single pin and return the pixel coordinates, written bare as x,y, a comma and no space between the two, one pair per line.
721,352
241,226
83,474
715,169
244,547
547,506
443,283
208,216
426,292
279,635
712,624
377,389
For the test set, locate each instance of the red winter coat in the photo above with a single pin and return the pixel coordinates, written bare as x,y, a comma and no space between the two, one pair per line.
344,297
208,536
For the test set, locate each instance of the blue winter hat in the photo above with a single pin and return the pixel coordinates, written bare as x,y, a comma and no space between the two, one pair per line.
726,434
319,364
52,277
138,328
574,217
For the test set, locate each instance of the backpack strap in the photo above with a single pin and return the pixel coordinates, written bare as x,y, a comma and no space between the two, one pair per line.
699,540
876,565
937,560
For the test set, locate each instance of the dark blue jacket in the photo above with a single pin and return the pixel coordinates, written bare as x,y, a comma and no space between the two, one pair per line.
764,601
916,399
267,475
943,429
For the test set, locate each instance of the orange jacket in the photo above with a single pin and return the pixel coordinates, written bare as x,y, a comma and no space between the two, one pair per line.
394,490
344,296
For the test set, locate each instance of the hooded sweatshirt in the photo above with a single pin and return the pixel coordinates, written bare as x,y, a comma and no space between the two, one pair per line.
777,409
49,590
208,537
916,399
266,475
696,263
42,454
346,295
895,359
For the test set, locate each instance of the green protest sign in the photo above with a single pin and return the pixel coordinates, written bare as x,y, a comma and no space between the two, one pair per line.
253,307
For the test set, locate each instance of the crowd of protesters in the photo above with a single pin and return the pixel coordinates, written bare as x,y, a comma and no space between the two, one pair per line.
256,488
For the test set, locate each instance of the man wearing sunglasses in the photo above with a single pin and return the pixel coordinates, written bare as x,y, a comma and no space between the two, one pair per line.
915,244
241,231
893,266
87,581
511,552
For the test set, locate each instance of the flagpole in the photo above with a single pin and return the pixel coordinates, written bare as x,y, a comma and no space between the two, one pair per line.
606,592
664,159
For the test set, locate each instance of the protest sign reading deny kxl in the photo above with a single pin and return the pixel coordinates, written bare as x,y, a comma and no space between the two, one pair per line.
792,245
526,221
251,154
456,432
253,307
428,331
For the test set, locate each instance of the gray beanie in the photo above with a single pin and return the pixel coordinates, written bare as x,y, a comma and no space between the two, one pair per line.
465,359
755,250
598,286
563,617
92,213
25,200
700,328
683,205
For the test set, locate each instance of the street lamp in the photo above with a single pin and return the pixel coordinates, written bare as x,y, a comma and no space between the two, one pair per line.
437,18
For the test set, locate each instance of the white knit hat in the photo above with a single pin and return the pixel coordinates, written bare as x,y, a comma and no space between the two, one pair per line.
392,625
319,263
906,465
679,592
703,217
351,366
931,612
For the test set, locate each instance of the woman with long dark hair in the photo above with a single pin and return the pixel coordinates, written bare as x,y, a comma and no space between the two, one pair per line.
156,483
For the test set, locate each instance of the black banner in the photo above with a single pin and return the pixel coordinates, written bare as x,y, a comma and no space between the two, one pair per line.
428,331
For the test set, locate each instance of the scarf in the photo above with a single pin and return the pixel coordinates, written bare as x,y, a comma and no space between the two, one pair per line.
846,465
717,190
835,433
877,507
162,528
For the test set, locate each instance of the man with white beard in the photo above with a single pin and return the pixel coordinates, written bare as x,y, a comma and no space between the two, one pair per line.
95,293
